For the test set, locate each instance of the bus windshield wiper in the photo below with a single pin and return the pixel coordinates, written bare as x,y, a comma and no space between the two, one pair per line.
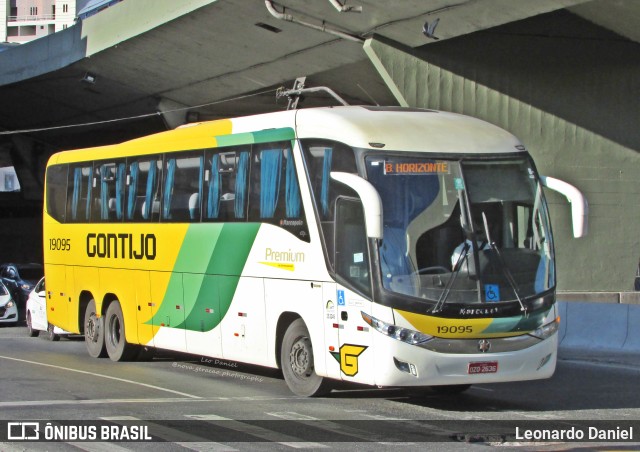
503,264
447,289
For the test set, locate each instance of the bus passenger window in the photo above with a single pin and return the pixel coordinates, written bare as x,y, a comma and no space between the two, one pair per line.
56,201
143,190
183,187
225,184
275,190
80,186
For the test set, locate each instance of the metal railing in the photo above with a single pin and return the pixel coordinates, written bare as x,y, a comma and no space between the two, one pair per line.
36,18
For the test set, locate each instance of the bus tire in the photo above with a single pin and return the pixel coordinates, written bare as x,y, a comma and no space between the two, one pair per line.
116,344
94,331
296,358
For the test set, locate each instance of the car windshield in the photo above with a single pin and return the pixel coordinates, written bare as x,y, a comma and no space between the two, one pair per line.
30,273
464,231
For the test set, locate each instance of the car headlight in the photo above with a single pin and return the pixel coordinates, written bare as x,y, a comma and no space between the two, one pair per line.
547,330
10,304
396,332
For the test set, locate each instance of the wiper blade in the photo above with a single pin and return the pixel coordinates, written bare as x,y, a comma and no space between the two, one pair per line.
456,269
503,264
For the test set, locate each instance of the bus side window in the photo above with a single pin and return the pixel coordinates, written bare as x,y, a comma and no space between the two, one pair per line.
108,191
79,189
275,190
57,176
351,255
225,184
183,187
142,193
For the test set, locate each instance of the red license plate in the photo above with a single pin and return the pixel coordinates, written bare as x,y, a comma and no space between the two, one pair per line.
487,367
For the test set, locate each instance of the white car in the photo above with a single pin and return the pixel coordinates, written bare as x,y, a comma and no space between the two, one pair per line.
8,307
37,314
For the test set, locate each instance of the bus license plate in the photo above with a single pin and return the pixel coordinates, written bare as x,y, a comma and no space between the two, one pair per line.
487,367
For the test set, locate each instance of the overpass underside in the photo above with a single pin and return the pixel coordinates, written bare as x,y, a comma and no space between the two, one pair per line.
568,88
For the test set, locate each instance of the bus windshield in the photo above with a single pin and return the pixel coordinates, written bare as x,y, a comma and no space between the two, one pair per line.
462,231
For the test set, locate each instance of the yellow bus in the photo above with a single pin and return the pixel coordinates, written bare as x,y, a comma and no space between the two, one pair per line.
383,246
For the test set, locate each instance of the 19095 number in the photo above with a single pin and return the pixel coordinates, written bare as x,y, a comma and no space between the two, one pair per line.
60,244
453,329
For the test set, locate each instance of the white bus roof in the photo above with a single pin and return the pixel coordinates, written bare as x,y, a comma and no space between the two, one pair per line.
405,129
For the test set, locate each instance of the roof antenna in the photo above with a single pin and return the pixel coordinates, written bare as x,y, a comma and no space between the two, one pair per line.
298,90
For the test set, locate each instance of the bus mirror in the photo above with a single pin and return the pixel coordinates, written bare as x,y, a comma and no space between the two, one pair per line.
370,198
579,204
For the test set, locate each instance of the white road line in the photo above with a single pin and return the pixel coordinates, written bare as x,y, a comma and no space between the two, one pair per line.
205,447
114,401
257,431
99,447
293,416
102,376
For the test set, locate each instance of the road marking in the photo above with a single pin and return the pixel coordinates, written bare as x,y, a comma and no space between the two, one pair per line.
98,447
158,388
257,431
293,416
115,401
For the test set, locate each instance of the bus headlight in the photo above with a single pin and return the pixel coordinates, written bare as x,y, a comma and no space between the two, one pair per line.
396,332
547,330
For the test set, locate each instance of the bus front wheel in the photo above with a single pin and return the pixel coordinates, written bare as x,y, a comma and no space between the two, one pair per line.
94,331
296,358
116,344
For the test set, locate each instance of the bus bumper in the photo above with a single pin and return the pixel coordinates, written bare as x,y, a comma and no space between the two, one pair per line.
410,365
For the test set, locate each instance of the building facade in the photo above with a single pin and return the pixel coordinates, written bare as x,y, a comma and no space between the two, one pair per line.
25,20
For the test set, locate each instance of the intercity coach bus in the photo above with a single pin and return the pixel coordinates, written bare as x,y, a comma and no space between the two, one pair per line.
385,246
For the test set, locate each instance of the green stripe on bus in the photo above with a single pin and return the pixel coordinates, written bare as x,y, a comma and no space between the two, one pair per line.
263,136
517,323
218,254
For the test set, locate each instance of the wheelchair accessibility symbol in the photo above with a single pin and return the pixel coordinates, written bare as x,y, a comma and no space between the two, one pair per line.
492,292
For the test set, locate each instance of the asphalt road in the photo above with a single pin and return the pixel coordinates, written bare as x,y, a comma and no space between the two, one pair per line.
193,403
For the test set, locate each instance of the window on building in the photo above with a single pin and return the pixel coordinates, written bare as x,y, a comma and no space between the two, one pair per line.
65,8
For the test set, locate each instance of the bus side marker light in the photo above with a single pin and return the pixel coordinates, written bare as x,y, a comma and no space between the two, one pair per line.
208,311
363,328
332,348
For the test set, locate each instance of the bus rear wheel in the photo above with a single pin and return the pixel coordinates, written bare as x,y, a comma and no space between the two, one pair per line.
116,344
94,332
296,358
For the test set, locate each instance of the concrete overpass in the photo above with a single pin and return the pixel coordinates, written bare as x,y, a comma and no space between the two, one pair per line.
563,75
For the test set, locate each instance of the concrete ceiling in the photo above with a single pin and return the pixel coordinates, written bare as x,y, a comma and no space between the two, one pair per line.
148,55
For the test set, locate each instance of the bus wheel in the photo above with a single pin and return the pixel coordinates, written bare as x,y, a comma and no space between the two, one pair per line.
296,358
94,332
450,389
118,348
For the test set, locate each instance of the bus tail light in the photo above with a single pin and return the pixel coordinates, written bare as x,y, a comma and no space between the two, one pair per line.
396,332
